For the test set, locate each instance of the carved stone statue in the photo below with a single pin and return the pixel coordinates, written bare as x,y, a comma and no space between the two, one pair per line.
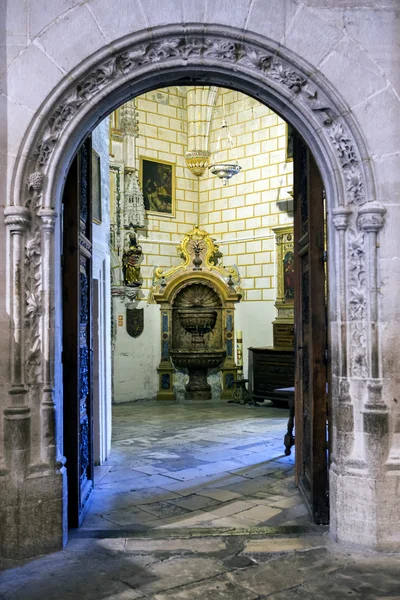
130,263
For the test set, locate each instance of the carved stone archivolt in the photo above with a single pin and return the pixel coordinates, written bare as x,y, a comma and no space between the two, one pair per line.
278,79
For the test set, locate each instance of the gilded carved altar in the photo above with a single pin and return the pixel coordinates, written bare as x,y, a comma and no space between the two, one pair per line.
189,336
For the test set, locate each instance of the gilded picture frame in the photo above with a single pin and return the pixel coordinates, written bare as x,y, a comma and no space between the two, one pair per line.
96,188
157,179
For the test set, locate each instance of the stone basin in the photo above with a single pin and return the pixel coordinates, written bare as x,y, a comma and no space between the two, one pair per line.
197,362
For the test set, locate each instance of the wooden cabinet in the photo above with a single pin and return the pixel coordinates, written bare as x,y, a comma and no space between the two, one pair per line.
270,368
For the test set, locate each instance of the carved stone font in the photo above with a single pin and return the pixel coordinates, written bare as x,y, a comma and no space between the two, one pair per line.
196,309
197,325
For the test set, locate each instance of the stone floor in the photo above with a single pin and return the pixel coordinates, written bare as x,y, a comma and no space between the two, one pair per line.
199,502
196,465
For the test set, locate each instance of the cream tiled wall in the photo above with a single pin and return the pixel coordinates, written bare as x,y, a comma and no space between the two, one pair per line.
163,135
240,215
255,200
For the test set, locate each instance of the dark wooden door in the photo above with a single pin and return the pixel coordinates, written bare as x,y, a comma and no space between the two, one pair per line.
311,338
77,334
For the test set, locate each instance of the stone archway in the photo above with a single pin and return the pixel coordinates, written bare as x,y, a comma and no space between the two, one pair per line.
136,64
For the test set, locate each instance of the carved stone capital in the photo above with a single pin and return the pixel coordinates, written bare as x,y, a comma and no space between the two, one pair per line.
371,217
48,217
17,218
341,217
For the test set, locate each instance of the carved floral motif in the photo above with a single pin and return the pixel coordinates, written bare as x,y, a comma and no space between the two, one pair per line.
357,302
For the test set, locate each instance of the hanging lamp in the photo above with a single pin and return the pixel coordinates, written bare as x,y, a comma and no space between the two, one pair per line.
225,170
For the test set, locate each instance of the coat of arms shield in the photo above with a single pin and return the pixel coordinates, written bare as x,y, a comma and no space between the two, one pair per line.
134,321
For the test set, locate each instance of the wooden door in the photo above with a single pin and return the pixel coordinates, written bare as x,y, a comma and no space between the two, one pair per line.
311,334
77,334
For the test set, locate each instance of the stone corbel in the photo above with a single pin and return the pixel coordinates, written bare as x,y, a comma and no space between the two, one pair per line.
17,417
130,294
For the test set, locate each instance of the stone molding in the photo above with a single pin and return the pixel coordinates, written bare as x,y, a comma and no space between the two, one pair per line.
253,60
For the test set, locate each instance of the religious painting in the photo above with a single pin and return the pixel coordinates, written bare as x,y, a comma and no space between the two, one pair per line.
96,188
289,142
288,276
158,186
284,265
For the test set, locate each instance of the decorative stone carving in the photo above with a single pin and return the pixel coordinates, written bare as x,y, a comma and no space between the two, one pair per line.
125,293
371,217
197,248
341,217
129,121
134,211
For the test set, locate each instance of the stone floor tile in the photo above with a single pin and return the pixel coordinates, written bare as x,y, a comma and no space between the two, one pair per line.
131,516
222,495
197,546
174,573
217,589
233,522
195,502
260,514
272,545
230,508
163,510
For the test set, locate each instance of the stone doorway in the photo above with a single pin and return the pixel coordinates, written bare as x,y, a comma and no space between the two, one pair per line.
105,81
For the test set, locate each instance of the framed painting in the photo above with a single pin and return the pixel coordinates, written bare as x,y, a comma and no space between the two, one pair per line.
96,188
157,178
289,142
284,265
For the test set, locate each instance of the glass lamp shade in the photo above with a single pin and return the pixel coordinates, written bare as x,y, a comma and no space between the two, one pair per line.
225,171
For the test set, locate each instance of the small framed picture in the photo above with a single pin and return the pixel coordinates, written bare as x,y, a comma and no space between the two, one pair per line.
158,186
289,142
96,188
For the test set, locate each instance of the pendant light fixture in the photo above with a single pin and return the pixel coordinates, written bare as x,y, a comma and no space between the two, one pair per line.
225,170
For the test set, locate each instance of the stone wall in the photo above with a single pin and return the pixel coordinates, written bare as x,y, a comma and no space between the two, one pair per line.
336,79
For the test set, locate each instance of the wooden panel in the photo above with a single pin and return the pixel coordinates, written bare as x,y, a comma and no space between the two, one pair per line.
310,343
270,368
283,334
77,334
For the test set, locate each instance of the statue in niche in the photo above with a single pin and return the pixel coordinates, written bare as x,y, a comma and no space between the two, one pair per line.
130,263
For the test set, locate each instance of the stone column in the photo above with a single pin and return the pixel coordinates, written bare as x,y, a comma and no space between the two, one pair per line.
375,412
48,218
17,417
343,429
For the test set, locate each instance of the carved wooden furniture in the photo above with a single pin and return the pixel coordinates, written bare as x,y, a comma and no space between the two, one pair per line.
270,368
